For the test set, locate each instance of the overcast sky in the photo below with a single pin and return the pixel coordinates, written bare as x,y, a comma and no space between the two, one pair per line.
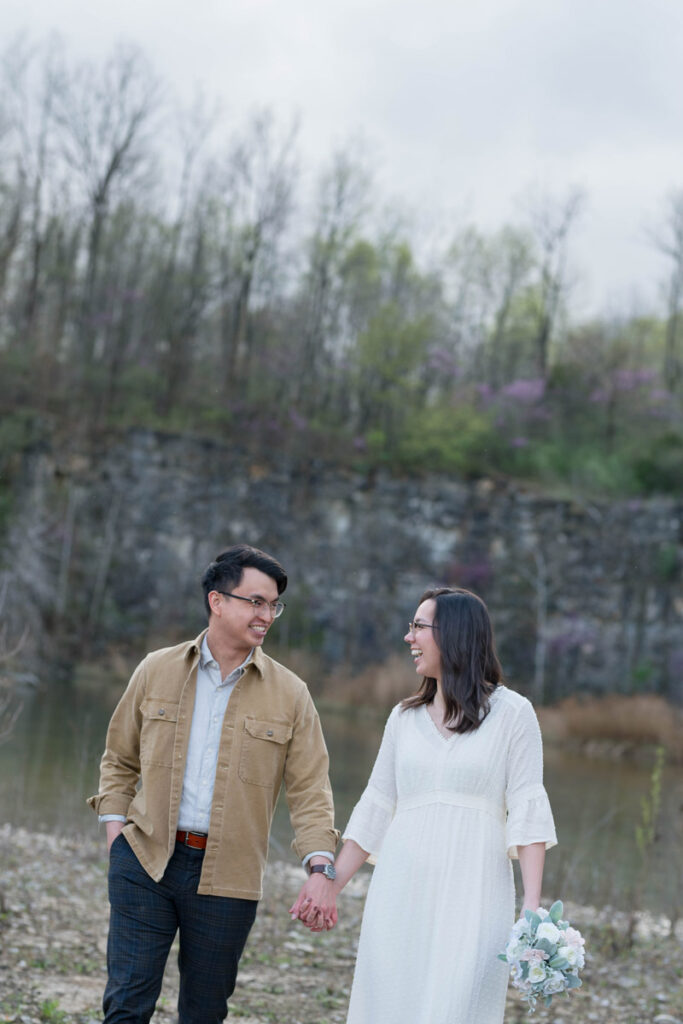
462,106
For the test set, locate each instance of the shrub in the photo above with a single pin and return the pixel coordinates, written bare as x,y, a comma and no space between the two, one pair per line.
660,469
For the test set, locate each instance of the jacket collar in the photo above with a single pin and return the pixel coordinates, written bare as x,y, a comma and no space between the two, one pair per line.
194,650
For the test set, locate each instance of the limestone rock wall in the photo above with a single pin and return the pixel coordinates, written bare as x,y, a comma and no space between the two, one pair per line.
106,545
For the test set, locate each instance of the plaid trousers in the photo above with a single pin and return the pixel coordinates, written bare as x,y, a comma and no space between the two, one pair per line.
145,916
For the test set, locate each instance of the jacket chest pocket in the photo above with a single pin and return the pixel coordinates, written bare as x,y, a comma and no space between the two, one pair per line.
157,735
264,748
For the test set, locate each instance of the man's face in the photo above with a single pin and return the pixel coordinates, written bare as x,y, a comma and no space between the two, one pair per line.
236,623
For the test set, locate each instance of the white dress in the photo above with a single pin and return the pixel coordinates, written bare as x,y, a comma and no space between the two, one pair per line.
443,816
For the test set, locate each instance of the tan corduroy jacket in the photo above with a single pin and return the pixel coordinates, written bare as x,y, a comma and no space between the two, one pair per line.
271,733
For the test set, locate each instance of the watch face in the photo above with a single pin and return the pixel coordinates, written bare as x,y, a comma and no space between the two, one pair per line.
328,870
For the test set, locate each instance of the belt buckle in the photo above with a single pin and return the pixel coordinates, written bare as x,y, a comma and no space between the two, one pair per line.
188,833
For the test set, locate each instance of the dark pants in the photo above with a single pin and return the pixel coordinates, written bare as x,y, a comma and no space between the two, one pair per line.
145,916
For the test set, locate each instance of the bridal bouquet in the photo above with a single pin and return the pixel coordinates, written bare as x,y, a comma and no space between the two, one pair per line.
545,955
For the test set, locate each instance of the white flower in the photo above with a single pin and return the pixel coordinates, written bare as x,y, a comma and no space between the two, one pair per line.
555,983
521,927
536,973
547,930
570,953
573,938
516,974
542,913
514,949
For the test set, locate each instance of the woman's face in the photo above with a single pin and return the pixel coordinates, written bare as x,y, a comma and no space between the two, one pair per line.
421,637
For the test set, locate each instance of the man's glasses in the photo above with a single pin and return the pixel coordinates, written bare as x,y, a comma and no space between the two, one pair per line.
413,627
275,608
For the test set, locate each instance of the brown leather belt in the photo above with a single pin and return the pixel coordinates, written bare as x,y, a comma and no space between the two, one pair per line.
197,840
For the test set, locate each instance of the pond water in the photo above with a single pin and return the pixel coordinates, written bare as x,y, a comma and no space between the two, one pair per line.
50,765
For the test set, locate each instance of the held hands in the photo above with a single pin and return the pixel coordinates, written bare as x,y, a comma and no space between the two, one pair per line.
316,904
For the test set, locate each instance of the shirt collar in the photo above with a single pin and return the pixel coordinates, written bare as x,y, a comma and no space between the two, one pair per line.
207,659
195,647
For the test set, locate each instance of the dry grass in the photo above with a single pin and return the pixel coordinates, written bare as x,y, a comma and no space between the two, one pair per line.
616,724
617,719
380,686
308,665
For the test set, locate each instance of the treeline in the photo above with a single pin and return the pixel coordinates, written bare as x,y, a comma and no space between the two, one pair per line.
157,269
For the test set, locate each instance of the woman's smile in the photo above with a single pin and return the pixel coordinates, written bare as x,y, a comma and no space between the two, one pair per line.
421,638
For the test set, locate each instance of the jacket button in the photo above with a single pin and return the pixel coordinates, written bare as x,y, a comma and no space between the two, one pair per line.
269,733
162,711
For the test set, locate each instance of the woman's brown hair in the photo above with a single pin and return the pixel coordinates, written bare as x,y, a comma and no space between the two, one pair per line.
470,669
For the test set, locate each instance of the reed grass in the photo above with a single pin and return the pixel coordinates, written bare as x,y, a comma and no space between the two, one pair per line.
381,685
622,722
619,719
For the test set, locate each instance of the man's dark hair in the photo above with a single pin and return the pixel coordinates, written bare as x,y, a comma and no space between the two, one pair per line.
226,571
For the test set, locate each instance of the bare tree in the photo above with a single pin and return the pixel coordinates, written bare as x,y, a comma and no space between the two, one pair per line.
105,118
182,289
12,199
551,223
128,251
506,272
258,195
668,238
30,76
343,195
12,183
464,280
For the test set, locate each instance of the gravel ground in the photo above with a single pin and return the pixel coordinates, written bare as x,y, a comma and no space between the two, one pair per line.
53,922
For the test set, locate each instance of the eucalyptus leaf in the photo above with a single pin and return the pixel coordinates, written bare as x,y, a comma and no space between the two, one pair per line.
501,956
559,963
556,911
533,919
573,981
547,946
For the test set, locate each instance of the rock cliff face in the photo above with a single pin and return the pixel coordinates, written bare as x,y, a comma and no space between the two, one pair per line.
107,544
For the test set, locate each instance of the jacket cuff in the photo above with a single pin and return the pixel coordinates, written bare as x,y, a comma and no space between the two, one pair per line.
112,803
311,841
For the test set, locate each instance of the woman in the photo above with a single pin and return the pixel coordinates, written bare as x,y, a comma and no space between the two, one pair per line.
456,791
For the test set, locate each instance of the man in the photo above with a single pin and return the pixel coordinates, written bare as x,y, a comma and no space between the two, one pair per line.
196,752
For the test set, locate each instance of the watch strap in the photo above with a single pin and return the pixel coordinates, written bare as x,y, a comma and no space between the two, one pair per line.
323,869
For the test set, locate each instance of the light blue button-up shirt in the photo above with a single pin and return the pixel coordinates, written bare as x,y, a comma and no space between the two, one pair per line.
211,700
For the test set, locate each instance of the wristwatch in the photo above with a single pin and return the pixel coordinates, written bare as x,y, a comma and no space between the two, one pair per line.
324,869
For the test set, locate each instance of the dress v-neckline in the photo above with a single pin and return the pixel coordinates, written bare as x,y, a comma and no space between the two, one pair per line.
441,735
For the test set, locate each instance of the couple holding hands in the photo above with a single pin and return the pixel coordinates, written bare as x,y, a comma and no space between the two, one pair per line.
196,752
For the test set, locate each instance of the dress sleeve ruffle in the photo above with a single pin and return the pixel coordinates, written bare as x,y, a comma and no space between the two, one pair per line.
529,820
370,820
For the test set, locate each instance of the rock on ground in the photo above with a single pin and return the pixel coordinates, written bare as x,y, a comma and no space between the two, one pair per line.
53,925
